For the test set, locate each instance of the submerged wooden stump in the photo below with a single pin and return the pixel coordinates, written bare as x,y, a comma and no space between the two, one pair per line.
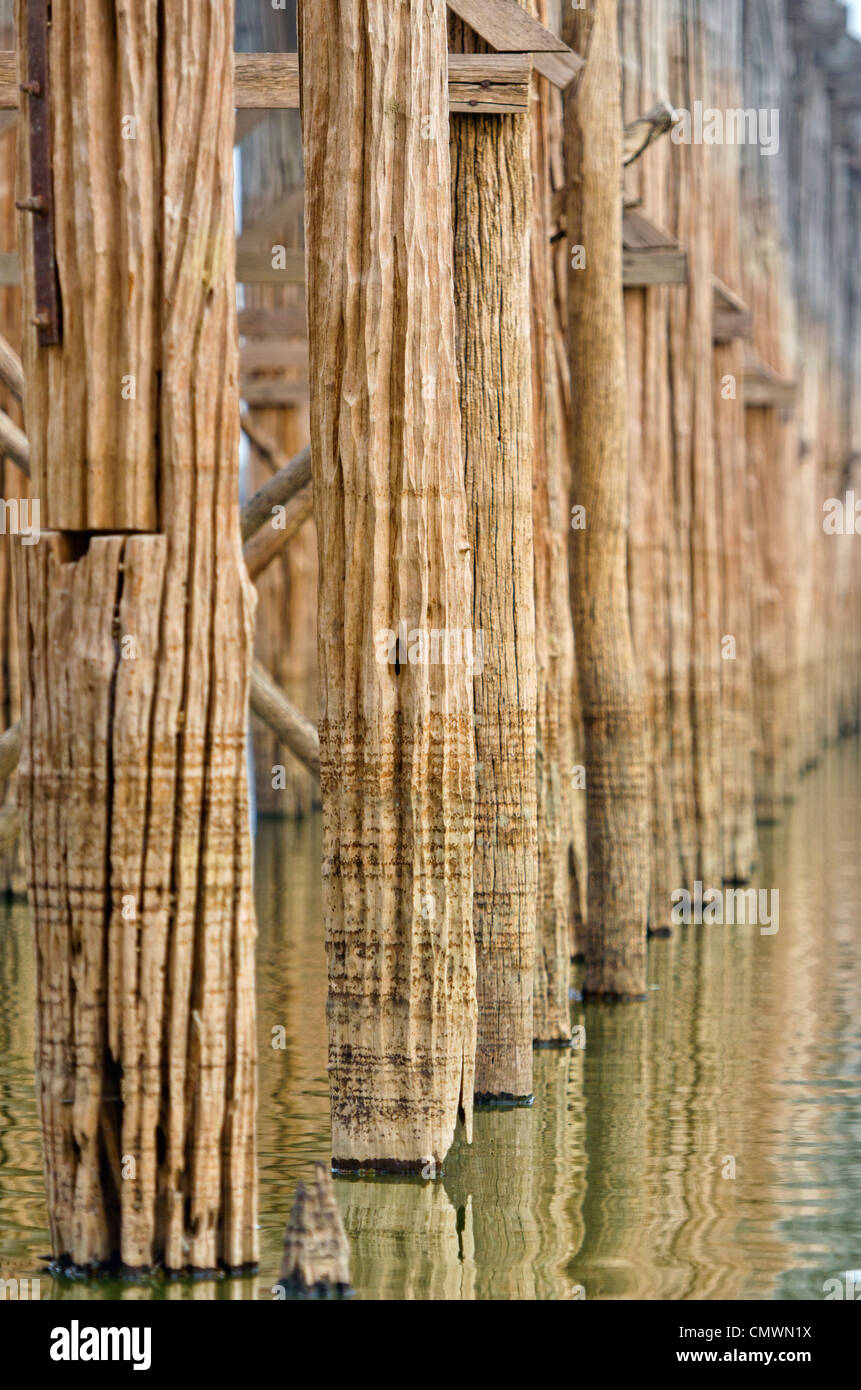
316,1259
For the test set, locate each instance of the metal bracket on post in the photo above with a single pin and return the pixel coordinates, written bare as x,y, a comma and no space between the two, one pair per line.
40,203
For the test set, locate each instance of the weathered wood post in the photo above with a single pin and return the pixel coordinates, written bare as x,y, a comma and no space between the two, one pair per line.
554,639
491,198
395,601
612,703
13,483
135,621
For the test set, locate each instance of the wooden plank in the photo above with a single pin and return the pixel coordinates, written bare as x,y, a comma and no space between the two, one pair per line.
492,83
654,266
641,234
650,256
287,322
273,393
764,387
255,267
8,80
483,83
266,81
272,355
509,29
731,317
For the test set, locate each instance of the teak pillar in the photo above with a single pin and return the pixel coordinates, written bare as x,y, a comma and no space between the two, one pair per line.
135,620
491,197
395,605
553,631
610,690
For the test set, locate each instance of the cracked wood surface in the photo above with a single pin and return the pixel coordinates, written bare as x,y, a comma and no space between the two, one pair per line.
610,689
136,660
492,205
396,738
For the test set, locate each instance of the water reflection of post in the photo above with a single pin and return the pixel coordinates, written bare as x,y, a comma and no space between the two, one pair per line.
522,1184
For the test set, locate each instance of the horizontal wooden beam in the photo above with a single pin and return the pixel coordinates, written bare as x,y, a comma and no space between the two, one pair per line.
270,355
266,81
489,83
644,268
274,393
650,256
764,387
287,322
731,317
509,29
479,83
271,266
255,266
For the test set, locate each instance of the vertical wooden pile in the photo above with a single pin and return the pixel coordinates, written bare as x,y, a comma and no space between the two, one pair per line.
824,138
135,620
13,482
491,208
694,601
653,541
396,735
770,428
554,639
610,689
725,60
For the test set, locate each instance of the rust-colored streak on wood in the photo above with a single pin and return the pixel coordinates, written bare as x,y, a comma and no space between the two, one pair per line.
396,735
92,407
39,202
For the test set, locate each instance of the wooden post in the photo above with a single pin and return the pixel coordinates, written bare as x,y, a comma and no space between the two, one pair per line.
553,629
14,483
491,197
612,705
135,621
739,850
395,602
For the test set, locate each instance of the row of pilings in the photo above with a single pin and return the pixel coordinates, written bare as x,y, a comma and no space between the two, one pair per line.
652,448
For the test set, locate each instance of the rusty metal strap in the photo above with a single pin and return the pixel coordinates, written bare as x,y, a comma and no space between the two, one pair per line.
40,203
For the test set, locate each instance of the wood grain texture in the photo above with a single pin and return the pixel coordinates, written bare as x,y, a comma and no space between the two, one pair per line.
107,231
508,26
739,847
13,471
397,743
611,694
491,198
553,630
316,1255
135,673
